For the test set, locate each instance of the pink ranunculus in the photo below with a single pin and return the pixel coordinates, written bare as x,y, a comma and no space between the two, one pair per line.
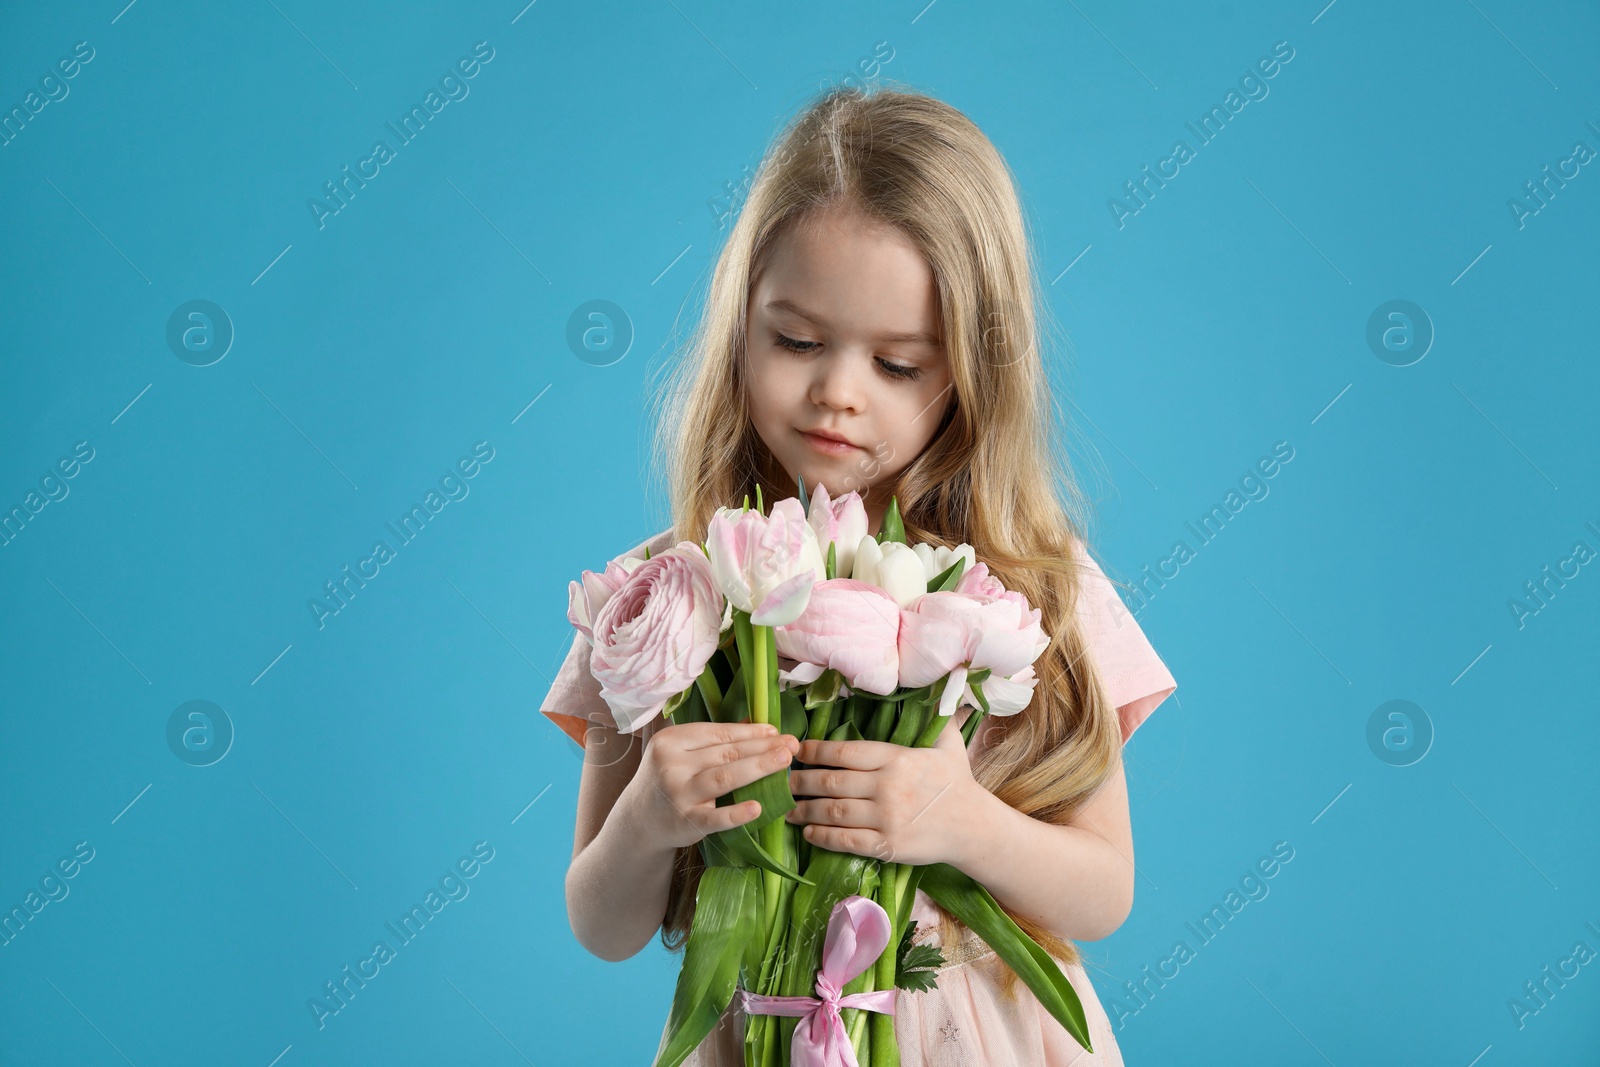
656,633
950,633
842,521
586,596
765,564
977,581
850,626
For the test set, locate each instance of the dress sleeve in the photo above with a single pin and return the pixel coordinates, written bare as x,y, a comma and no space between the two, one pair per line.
1136,677
574,702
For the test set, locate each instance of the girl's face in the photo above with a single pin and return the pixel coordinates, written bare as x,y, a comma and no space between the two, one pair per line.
844,341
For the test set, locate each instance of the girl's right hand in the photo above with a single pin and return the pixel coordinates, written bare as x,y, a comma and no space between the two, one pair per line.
687,766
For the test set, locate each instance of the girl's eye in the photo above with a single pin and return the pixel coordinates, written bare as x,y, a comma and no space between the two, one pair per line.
794,346
898,371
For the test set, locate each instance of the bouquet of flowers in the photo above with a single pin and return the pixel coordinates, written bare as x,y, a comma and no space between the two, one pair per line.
886,641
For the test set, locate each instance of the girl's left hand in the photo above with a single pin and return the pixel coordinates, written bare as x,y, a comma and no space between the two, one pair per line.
886,802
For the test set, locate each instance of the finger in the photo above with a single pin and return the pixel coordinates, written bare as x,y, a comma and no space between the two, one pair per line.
950,736
830,782
835,811
859,842
706,734
710,818
722,778
856,755
729,753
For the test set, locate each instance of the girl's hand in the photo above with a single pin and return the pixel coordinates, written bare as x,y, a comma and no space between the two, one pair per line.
687,766
886,802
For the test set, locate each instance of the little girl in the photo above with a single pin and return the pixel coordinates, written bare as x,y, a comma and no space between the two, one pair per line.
870,327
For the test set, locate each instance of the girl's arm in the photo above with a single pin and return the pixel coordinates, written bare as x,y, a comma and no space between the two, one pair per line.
922,805
1075,879
617,884
640,799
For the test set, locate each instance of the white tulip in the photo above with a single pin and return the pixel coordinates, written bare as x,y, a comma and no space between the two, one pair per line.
936,558
893,567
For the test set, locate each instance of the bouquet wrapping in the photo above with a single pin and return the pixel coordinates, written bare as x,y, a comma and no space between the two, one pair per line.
886,641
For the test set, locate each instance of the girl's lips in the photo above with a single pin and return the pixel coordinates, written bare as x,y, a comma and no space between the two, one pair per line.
827,445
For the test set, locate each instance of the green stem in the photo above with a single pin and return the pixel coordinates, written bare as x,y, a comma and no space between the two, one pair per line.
970,727
935,725
909,726
930,732
882,721
755,679
709,692
758,690
858,1035
821,721
880,1028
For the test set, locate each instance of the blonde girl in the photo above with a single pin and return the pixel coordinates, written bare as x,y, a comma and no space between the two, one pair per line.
871,326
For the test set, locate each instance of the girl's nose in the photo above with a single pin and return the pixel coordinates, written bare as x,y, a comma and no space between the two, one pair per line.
836,384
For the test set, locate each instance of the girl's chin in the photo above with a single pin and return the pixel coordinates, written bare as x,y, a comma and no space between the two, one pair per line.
815,474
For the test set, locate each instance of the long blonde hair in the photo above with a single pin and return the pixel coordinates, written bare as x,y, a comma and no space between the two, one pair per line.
995,475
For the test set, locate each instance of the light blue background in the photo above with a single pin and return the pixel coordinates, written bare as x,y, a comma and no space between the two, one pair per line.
589,161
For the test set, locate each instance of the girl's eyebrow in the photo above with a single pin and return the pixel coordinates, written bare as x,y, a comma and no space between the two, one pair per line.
816,320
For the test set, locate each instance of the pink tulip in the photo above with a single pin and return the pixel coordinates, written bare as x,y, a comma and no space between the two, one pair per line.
765,564
842,521
950,633
656,633
849,626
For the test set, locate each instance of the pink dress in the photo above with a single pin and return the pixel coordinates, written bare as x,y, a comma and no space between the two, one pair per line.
967,1020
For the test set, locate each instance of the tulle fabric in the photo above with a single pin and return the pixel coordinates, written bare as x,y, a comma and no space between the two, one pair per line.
967,1020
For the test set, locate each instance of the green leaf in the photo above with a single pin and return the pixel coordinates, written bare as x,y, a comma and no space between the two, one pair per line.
846,731
739,847
735,708
825,689
893,529
795,720
946,579
726,919
971,903
918,966
675,701
771,790
832,563
805,504
907,901
693,706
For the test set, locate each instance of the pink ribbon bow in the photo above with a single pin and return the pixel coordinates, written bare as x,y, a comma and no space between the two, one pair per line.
858,930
